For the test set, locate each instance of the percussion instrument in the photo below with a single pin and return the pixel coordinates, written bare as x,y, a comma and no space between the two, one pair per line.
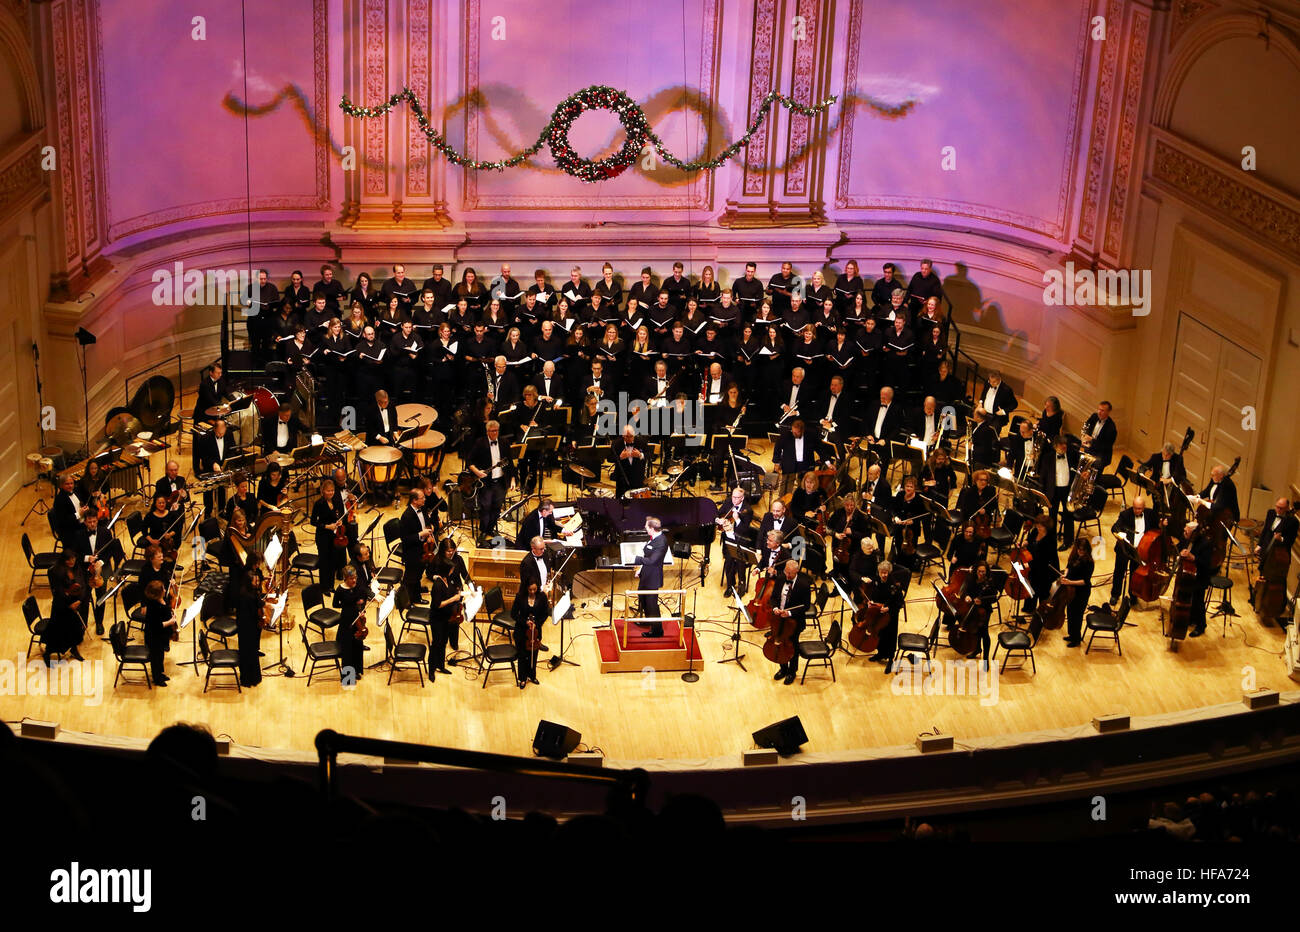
423,450
676,470
350,440
600,490
579,470
660,483
416,415
639,493
265,401
380,462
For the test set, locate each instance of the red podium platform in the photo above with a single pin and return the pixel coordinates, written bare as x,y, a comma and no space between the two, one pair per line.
661,653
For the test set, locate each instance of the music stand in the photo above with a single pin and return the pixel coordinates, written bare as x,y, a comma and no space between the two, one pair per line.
1024,581
1125,548
1224,609
739,610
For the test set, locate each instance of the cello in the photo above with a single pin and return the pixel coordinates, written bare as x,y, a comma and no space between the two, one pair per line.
759,608
965,637
868,620
780,644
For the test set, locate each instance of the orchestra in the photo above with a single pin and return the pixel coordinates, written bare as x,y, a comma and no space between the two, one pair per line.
879,460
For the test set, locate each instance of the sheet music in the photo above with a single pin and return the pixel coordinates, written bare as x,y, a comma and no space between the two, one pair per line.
561,608
386,607
273,551
193,611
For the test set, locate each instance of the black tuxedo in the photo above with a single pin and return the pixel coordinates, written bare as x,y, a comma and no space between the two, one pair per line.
270,430
1104,442
788,524
412,551
493,491
375,426
651,561
210,395
1155,465
628,473
528,571
505,390
1004,401
843,415
206,459
557,386
895,418
534,525
786,456
1285,527
65,518
795,595
1059,494
1126,524
1225,499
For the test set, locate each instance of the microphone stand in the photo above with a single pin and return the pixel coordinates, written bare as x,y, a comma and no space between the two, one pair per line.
688,624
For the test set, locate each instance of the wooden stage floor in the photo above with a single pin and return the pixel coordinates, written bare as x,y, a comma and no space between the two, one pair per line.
654,716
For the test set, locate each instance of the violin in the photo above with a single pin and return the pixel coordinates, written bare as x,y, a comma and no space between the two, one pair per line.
349,516
760,606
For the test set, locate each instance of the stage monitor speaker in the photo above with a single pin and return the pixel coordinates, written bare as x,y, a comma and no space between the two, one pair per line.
455,506
786,737
554,741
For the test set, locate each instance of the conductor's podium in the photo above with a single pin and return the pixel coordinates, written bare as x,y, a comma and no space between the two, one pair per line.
624,649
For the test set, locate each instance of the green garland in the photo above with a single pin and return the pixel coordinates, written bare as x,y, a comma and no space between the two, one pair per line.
556,132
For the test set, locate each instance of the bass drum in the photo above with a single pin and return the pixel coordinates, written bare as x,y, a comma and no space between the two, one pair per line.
265,402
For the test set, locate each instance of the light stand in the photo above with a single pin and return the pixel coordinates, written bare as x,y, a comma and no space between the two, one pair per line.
688,624
86,338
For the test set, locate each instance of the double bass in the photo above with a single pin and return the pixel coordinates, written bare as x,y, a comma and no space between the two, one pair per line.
1180,614
1268,596
1218,530
1150,580
780,644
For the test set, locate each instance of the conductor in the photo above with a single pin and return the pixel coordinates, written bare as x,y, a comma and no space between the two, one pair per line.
650,575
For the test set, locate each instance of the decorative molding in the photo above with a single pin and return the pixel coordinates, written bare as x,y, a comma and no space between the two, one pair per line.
697,192
801,89
202,210
1054,228
1127,141
760,82
1100,128
375,84
1261,214
419,78
63,121
1182,13
22,177
90,121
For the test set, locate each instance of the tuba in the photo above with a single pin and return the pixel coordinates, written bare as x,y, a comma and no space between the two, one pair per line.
1084,482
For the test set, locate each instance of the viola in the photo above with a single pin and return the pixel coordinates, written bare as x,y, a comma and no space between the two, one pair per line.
341,532
760,606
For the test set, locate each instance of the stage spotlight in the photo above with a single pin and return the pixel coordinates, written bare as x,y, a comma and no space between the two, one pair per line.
85,337
785,737
554,741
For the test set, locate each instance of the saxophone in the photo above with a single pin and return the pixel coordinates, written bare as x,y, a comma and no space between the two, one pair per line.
1084,482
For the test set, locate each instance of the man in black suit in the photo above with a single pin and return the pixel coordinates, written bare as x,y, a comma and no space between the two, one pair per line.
650,575
171,483
1132,523
210,454
1221,495
381,421
1200,548
835,412
791,600
983,439
795,454
1019,445
1280,522
737,530
415,531
660,385
550,384
212,388
794,394
65,514
776,519
997,398
540,522
504,387
1099,435
890,591
280,433
1057,467
597,381
399,286
489,461
884,422
535,566
1165,465
629,462
91,542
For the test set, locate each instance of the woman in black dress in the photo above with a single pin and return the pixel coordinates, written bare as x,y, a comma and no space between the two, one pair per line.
159,622
327,516
271,488
248,619
530,606
1078,576
66,627
350,602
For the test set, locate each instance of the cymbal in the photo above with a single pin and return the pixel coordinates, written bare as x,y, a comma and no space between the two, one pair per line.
579,470
217,411
121,428
659,483
280,459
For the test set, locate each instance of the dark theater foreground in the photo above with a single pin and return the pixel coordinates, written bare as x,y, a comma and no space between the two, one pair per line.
482,427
